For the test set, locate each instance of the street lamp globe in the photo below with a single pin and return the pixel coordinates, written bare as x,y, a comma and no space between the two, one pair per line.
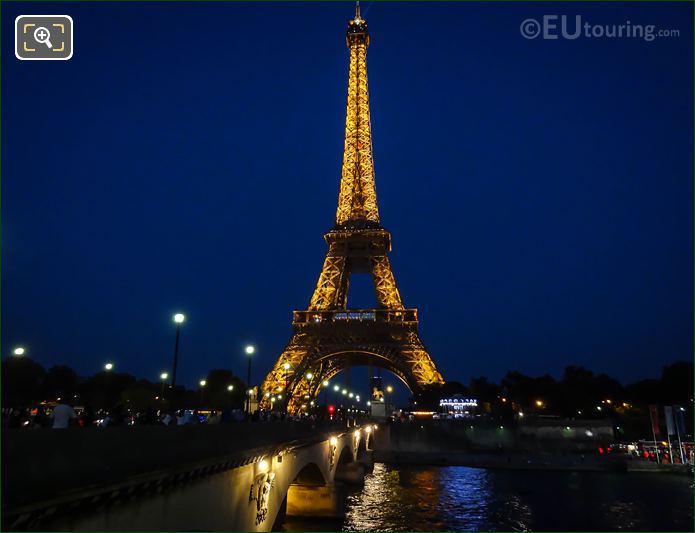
250,349
202,382
336,388
108,366
389,389
309,375
164,376
19,351
344,391
325,383
230,388
179,318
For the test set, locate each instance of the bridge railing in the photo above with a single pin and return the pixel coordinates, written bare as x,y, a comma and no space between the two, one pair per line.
37,465
399,316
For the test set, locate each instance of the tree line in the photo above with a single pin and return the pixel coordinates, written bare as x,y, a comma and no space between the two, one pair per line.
579,393
26,383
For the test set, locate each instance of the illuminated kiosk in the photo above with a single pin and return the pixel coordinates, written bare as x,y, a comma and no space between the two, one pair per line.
458,407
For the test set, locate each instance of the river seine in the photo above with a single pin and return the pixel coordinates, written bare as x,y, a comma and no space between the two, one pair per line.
428,498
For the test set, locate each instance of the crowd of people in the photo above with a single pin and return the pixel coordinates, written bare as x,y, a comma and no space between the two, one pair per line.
63,415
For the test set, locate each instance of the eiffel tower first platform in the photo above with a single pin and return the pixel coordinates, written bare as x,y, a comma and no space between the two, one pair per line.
328,337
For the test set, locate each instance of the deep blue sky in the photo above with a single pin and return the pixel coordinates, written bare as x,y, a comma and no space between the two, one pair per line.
539,193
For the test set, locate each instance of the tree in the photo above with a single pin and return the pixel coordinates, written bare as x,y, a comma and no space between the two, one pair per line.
105,388
217,394
677,382
60,381
22,379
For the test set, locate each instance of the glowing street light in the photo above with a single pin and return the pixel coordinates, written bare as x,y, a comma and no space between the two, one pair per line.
325,383
179,319
539,403
336,388
309,376
389,389
202,383
344,392
108,367
163,376
250,350
19,351
286,366
230,388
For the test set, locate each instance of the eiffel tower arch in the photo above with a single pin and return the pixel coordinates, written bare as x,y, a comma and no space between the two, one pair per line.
328,336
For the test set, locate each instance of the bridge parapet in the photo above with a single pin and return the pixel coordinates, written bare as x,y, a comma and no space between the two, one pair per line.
244,489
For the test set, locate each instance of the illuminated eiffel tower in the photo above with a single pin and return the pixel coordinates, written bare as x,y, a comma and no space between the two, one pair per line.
328,337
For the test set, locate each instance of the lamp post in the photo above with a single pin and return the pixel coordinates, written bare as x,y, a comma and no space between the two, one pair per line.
325,384
250,349
163,376
202,384
287,367
230,389
179,319
310,377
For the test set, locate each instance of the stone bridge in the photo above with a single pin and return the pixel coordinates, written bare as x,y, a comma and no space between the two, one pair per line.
118,481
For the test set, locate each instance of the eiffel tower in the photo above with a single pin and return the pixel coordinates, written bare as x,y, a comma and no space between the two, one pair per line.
328,337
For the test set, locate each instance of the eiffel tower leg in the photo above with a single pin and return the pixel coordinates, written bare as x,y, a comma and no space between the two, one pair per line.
281,380
421,364
385,284
331,289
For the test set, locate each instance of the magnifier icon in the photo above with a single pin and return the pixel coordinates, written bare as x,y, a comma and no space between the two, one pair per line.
42,35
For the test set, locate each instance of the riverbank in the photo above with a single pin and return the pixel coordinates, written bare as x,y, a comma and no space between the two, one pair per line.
524,461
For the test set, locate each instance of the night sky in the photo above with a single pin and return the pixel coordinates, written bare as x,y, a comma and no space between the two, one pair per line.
187,158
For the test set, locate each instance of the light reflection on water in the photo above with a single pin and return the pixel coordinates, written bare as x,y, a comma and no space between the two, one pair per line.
429,498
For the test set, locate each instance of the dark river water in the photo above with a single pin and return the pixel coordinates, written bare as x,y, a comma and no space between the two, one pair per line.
428,498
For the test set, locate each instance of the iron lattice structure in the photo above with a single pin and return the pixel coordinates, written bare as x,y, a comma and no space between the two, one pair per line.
328,337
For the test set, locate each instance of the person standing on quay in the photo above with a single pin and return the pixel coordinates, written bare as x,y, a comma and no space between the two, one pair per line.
62,414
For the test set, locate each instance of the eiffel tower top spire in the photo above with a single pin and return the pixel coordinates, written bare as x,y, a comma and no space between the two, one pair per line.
357,205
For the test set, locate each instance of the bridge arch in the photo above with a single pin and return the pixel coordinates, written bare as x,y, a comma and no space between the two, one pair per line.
362,358
325,366
310,475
